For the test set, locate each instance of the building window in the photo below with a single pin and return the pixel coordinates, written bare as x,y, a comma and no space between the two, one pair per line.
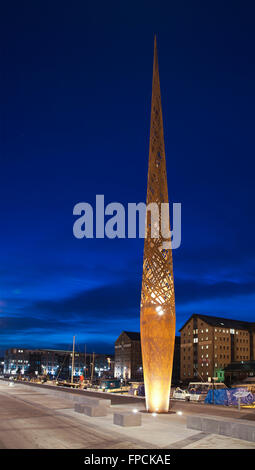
195,340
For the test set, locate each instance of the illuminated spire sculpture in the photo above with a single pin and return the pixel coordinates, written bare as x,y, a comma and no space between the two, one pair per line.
157,297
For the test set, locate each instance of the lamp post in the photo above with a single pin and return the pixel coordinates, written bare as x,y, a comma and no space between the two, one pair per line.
214,379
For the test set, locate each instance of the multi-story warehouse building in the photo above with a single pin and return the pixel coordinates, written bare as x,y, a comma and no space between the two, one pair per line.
56,362
209,344
128,357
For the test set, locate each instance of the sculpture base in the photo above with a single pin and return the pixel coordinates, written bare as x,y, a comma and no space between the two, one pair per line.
170,412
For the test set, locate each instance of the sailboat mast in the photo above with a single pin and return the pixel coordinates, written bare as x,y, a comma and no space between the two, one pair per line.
73,360
92,370
85,363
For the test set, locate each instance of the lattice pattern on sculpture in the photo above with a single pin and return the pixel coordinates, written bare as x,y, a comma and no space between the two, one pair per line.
157,297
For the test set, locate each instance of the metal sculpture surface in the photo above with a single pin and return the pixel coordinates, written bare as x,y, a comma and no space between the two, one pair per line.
157,297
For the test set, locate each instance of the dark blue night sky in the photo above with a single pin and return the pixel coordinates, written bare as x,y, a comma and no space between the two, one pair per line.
76,90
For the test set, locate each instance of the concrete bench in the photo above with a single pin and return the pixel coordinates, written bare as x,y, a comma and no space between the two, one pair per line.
79,407
127,419
93,401
91,409
237,428
79,398
94,411
67,394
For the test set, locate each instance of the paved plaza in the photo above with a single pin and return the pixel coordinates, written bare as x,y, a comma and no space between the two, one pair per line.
34,418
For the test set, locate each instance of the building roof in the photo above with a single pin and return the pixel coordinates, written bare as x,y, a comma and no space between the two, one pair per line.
243,366
220,321
133,335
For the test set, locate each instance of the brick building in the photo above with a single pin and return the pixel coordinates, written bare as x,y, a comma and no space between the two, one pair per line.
128,357
209,344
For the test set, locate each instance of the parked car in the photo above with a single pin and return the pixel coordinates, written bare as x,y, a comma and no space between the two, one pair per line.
196,391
